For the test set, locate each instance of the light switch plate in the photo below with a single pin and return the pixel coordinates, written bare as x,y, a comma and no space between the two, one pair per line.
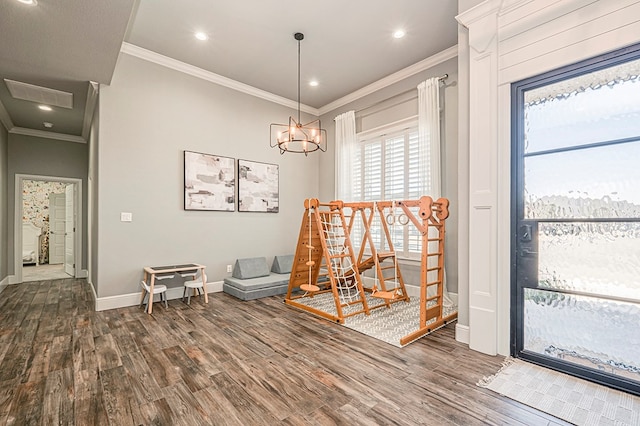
126,217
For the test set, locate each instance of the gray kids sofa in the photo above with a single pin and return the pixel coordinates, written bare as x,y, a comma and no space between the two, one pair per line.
252,279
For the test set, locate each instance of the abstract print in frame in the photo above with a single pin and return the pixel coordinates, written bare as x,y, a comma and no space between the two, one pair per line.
209,182
258,189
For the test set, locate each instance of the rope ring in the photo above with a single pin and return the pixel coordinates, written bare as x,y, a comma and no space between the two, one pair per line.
403,219
391,219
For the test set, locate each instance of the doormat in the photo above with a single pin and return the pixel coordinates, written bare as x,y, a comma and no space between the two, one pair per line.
566,397
386,324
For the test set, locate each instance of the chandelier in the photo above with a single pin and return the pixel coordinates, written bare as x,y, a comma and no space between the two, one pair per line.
298,137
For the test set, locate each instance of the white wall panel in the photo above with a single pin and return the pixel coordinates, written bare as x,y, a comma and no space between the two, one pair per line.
511,40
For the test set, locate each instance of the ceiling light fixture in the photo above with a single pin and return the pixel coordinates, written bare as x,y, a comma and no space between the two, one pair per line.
201,36
313,83
29,2
298,137
45,107
399,34
47,124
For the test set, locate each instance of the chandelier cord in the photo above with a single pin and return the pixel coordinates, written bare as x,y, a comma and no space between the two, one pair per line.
299,82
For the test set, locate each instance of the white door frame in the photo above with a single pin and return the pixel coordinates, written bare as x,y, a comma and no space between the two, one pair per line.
17,228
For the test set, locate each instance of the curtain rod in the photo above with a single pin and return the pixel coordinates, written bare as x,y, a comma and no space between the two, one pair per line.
441,78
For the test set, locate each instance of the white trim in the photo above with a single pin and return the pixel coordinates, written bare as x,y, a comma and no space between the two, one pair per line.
396,126
82,273
92,98
5,282
462,333
46,135
423,65
165,61
17,229
95,295
147,55
133,299
5,118
13,279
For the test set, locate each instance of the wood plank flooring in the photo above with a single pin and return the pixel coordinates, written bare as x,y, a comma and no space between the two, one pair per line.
227,363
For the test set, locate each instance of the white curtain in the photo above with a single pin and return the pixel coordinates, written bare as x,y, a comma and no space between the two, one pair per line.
429,140
345,151
429,134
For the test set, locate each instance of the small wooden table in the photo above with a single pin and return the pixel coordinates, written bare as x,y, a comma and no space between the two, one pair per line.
150,272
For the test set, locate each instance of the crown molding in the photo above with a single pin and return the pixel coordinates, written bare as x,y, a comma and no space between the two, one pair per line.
156,58
476,13
47,135
90,107
396,77
5,119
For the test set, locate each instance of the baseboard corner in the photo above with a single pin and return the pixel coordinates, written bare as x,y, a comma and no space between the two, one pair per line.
4,283
462,333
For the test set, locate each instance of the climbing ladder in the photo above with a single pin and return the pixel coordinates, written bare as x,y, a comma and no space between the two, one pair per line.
389,285
324,236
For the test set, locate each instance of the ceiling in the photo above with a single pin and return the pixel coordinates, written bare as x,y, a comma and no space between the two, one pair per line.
347,46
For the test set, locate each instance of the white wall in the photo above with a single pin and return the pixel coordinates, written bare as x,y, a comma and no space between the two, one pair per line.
510,40
148,116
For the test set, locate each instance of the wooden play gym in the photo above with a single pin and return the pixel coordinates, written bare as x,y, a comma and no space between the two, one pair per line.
325,260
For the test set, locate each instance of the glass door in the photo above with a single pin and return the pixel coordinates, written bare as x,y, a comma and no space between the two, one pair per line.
576,220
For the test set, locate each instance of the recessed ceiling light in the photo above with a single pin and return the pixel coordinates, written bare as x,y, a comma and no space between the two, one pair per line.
47,124
29,2
399,34
313,83
45,107
201,36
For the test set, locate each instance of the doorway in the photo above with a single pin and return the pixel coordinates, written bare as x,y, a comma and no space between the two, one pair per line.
53,206
576,220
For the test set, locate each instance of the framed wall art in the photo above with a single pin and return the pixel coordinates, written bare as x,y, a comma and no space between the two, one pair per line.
209,182
258,187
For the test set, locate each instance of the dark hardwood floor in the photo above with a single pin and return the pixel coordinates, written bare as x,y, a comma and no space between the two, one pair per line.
227,363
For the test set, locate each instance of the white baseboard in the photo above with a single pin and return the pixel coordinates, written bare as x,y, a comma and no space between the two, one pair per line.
133,299
4,283
462,333
12,279
82,273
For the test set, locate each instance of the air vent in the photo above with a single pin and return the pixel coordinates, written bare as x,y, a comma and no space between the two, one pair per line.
41,95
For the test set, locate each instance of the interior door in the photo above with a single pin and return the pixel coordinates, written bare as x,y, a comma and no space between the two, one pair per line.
69,230
576,220
57,217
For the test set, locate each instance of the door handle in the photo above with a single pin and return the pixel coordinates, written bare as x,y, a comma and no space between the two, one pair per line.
527,252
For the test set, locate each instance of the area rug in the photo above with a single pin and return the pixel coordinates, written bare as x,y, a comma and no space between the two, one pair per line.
574,400
386,324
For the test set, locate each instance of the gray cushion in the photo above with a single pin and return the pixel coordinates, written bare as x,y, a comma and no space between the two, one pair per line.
254,294
259,282
282,264
251,267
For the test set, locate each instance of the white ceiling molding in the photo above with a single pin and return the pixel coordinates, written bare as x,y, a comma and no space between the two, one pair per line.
423,65
5,118
139,52
92,98
46,135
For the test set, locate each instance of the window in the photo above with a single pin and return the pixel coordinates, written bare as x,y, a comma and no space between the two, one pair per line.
386,166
